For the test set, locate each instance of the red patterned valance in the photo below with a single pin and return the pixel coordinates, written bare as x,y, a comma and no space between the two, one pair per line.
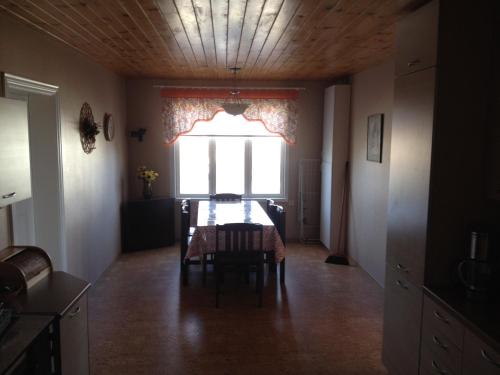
224,93
182,108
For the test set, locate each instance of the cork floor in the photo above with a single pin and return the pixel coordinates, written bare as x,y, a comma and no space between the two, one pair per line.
327,319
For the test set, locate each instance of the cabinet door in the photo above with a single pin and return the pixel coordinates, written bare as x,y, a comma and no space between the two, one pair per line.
411,142
416,40
442,339
325,228
440,320
479,358
15,177
402,318
149,224
328,116
74,340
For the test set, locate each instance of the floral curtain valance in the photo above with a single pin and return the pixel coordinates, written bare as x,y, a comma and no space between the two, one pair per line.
276,109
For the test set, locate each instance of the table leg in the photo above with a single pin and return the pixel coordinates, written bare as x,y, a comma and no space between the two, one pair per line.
184,272
282,271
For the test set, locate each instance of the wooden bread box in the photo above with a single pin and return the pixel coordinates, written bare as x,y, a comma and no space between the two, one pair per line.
22,267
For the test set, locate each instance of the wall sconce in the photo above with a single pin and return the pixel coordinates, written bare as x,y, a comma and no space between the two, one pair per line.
139,134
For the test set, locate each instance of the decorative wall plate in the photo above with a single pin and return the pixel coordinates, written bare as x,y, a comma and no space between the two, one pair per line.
109,127
88,129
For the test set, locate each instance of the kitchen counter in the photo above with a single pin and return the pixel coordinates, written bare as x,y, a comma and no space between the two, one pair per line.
53,295
481,317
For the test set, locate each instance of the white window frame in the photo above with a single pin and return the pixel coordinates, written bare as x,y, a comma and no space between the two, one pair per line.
248,170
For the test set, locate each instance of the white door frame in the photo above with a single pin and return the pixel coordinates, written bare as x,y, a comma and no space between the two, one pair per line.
15,86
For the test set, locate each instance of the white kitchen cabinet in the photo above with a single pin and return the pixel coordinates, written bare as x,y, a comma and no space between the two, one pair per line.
15,176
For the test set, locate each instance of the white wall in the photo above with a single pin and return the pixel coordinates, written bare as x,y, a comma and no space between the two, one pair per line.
4,227
372,92
95,184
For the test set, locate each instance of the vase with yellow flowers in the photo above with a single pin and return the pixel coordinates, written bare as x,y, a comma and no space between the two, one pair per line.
148,176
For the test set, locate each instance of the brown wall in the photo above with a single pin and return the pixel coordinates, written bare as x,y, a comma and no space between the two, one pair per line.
144,110
95,184
372,92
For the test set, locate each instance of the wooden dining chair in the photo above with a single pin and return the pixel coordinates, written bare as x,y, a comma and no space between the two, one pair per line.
243,248
185,238
270,254
277,214
226,197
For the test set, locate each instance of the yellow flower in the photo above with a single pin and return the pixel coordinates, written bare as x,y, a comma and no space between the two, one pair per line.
148,175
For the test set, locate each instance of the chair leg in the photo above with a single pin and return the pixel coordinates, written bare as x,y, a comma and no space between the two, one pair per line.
272,262
204,266
260,282
246,270
184,272
282,271
257,279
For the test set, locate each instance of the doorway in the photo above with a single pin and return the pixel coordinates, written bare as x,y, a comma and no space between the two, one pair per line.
39,221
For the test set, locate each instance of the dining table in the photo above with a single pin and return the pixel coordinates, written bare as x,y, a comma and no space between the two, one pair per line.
212,212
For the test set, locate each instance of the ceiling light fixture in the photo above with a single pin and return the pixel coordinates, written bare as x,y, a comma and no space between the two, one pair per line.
233,105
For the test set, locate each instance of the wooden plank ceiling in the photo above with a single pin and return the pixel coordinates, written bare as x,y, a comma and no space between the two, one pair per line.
200,39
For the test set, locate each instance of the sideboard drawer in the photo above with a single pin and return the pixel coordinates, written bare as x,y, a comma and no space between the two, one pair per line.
443,351
432,364
402,264
479,358
440,319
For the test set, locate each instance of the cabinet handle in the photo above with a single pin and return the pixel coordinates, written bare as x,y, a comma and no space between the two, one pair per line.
400,267
437,368
401,284
75,312
10,195
413,63
487,357
439,343
440,317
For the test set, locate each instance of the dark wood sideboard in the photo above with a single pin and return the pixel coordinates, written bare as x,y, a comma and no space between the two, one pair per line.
148,224
25,347
56,306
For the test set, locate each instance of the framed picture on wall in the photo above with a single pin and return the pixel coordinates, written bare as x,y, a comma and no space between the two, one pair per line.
375,136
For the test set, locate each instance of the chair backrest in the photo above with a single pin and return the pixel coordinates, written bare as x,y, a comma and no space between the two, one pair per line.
185,223
268,203
239,237
277,214
186,206
225,197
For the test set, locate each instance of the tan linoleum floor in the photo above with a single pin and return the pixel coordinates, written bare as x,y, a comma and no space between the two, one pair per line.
327,319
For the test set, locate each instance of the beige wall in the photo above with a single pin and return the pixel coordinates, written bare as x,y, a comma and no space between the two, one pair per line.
372,92
144,110
95,184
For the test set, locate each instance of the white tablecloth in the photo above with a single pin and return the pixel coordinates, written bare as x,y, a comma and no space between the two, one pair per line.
211,213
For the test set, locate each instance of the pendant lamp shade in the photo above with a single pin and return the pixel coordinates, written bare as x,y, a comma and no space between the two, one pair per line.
233,105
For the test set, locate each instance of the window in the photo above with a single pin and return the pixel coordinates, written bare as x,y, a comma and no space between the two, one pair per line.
230,155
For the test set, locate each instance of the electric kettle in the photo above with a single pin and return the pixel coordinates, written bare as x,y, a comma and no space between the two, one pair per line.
476,272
